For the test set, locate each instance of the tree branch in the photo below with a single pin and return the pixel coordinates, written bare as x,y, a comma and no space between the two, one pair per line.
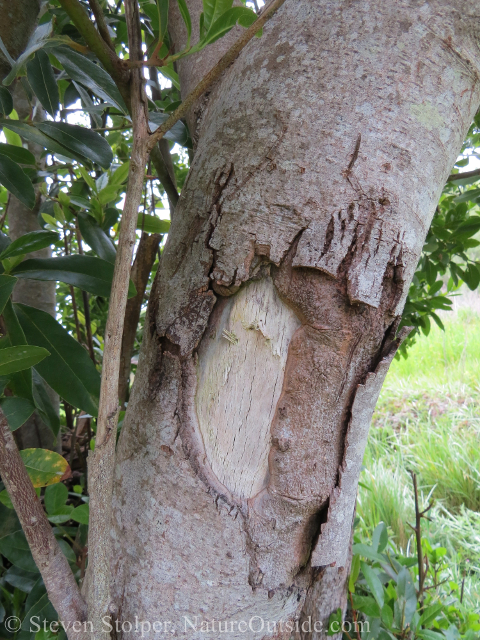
462,176
146,254
62,589
214,73
101,24
102,459
164,176
97,44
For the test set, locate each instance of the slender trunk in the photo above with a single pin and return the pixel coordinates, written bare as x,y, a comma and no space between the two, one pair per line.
321,155
16,24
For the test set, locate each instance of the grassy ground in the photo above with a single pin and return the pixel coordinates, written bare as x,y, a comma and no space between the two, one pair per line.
428,421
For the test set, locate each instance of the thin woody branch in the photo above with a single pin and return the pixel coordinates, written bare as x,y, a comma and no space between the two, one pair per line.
464,175
215,73
62,589
98,46
101,24
102,460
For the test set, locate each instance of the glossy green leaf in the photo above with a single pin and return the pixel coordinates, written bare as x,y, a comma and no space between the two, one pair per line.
354,573
20,382
37,41
43,402
55,497
182,5
244,16
85,272
5,499
91,76
6,102
15,548
29,242
81,140
367,605
162,8
212,10
44,467
80,514
120,174
62,515
17,154
17,411
69,370
42,80
13,177
31,133
13,359
7,284
152,224
108,194
96,238
20,579
178,133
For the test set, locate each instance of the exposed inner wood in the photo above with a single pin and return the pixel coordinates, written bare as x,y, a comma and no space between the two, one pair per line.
241,367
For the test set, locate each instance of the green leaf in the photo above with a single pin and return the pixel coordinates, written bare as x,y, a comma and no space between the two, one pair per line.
213,9
17,154
20,382
85,272
44,467
81,140
335,622
42,80
468,196
44,405
15,548
29,242
430,613
55,497
178,133
20,579
380,537
17,411
387,616
6,102
120,175
470,227
33,134
37,41
108,194
7,284
182,5
366,605
80,514
96,238
374,583
13,177
367,552
5,499
38,607
69,370
62,515
244,16
152,224
354,573
162,8
91,76
13,359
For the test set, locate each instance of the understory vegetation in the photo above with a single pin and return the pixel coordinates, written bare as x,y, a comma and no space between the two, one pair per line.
427,422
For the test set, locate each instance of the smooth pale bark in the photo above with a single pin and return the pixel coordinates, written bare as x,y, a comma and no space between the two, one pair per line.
320,159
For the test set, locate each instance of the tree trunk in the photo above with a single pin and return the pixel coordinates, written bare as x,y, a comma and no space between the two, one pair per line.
320,158
16,25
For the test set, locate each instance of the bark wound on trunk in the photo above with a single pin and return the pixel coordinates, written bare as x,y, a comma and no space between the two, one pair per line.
321,156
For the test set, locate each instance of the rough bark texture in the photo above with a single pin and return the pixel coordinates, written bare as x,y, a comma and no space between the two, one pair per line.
49,558
320,159
17,21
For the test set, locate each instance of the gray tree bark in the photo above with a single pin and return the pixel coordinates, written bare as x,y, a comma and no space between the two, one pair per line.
321,155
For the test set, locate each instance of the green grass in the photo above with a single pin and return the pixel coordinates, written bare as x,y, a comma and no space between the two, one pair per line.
428,421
